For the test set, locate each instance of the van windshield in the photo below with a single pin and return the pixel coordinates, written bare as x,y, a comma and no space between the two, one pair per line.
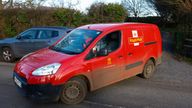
76,41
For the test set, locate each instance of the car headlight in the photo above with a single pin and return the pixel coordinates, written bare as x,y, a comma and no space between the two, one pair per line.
47,70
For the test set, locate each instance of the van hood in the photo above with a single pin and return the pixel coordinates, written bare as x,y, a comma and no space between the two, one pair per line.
44,57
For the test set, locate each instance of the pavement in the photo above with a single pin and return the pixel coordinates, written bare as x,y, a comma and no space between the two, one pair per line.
170,87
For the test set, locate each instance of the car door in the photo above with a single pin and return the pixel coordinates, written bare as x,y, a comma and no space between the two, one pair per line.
107,69
134,51
26,41
46,38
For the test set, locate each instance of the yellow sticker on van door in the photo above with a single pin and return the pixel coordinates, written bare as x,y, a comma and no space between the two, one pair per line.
109,61
135,40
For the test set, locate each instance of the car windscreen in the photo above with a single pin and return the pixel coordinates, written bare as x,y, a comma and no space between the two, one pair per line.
76,41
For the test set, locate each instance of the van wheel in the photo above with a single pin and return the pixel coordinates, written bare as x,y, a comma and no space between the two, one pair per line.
74,91
7,54
148,70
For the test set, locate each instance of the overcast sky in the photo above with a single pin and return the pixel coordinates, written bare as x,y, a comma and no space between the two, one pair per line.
83,4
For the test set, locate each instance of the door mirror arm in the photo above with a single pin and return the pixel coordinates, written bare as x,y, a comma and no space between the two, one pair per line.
18,37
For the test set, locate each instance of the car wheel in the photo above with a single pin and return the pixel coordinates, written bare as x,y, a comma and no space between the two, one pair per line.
148,70
74,91
7,54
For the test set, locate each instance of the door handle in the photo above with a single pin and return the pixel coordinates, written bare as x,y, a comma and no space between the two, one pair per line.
130,54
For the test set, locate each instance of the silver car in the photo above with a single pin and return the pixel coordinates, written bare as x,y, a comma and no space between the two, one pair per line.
29,41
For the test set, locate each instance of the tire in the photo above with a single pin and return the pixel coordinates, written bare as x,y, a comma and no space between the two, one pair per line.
7,54
74,91
148,70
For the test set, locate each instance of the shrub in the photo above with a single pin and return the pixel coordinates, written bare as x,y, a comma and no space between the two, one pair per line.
102,13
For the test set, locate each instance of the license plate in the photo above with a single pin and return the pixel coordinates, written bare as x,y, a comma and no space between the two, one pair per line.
18,82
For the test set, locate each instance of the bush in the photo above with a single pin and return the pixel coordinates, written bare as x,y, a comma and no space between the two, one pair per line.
68,17
14,21
106,13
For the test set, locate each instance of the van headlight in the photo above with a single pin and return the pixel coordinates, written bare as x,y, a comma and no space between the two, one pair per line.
47,70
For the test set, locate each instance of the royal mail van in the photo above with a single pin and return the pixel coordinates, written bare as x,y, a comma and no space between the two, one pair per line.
88,58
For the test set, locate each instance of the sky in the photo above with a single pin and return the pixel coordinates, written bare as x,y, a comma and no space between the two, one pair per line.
83,4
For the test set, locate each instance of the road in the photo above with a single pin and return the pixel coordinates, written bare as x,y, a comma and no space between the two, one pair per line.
170,87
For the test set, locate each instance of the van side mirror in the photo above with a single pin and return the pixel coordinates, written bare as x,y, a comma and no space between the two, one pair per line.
102,52
68,31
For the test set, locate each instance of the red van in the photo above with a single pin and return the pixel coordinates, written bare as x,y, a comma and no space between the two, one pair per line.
88,58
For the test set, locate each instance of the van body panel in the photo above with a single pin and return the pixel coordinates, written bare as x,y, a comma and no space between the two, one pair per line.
139,42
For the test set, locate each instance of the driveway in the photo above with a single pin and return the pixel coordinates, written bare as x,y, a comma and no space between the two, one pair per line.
170,87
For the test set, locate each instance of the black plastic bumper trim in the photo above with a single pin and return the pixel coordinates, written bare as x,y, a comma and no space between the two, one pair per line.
38,92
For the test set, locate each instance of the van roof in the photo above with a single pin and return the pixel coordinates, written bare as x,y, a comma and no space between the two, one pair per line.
107,26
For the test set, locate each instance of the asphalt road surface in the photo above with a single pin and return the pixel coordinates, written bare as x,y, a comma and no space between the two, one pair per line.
170,87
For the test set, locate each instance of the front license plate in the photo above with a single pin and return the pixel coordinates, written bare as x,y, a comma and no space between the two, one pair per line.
18,82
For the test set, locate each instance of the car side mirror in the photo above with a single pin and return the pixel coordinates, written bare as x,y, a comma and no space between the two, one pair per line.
18,37
102,52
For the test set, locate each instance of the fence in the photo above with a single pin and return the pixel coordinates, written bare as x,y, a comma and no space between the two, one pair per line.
178,43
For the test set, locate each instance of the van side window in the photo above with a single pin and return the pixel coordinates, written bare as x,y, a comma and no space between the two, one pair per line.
111,42
108,44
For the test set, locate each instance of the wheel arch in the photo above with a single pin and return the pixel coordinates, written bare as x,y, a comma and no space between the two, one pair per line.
153,59
7,46
85,78
4,46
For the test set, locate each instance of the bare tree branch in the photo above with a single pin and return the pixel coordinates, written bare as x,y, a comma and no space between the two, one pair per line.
181,5
137,8
64,3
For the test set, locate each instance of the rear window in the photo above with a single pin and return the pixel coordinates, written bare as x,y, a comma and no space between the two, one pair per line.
46,34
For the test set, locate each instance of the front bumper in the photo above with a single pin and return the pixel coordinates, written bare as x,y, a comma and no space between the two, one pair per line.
42,92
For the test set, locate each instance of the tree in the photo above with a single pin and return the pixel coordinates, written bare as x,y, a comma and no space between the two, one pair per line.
8,4
101,12
64,3
68,17
1,4
181,5
21,4
178,11
33,3
171,7
137,8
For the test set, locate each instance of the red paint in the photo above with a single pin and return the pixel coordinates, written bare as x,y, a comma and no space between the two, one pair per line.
100,71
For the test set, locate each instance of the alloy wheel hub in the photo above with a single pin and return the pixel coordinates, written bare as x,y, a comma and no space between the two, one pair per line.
72,92
6,55
149,69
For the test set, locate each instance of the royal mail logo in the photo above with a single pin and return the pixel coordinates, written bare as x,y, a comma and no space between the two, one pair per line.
136,40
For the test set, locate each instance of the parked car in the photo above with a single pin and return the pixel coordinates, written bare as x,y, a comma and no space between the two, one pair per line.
30,40
90,57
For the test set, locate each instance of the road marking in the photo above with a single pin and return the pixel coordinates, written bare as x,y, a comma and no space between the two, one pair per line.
105,105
